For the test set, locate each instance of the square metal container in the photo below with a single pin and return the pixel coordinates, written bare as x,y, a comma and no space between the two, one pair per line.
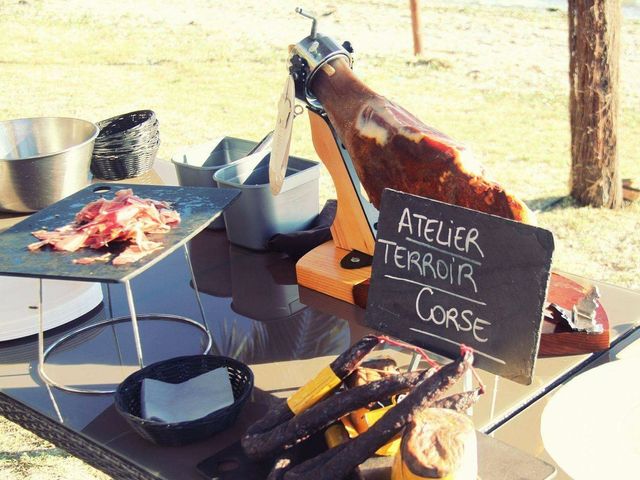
257,215
196,165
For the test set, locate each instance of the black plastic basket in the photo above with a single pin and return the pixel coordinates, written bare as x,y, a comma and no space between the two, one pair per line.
126,146
177,370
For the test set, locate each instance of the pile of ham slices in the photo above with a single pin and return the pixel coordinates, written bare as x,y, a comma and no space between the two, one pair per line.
126,218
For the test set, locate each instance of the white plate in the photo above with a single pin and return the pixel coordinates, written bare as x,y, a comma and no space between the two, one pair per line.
591,426
63,302
630,351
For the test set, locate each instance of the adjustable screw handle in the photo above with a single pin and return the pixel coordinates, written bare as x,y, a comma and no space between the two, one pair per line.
314,21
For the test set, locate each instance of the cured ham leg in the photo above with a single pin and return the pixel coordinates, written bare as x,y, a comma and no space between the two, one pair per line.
391,148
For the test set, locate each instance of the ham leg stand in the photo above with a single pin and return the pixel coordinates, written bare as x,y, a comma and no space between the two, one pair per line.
332,268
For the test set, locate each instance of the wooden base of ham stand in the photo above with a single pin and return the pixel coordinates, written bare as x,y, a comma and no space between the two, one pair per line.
566,293
320,269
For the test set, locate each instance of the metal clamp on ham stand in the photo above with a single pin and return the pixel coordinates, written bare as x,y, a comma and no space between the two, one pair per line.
334,267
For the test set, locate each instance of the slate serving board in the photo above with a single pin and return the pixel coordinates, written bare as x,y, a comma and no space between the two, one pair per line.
197,206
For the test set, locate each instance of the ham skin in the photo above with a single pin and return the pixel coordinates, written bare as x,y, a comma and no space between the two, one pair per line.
391,148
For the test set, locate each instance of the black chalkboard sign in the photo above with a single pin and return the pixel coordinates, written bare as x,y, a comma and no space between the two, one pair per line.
444,275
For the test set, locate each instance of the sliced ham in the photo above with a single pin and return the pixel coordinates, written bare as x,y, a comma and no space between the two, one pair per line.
89,260
66,238
126,218
133,253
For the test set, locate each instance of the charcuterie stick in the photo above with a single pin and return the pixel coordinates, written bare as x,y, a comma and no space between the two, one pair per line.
460,402
338,462
319,387
298,428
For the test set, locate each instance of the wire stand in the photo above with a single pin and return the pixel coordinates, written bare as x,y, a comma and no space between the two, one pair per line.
133,317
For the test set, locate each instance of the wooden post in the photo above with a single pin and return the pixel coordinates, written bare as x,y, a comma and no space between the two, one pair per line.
594,43
415,26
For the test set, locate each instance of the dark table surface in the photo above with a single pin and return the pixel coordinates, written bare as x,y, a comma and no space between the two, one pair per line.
257,314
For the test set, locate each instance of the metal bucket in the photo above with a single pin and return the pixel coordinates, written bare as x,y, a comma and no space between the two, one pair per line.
257,215
195,166
43,160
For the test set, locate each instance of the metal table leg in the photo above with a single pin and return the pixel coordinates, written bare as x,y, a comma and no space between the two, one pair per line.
133,317
134,323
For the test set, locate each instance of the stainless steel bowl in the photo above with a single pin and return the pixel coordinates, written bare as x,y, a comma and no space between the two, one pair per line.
43,160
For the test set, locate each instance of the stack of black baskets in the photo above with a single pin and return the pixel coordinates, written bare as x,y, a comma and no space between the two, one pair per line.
126,146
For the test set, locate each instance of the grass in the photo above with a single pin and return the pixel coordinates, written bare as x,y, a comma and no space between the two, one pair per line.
495,78
24,455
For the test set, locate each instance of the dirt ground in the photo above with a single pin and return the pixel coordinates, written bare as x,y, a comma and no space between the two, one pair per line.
495,78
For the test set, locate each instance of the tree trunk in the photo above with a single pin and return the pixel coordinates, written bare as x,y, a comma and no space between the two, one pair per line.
594,29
